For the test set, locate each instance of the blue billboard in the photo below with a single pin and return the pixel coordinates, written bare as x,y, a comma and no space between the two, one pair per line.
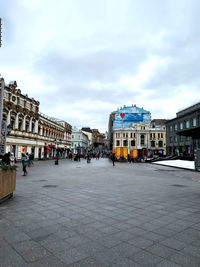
127,117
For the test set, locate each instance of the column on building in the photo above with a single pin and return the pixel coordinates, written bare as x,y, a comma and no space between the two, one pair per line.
17,121
24,123
40,130
36,127
8,118
30,125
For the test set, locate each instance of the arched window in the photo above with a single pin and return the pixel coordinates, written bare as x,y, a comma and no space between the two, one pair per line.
20,124
27,126
142,139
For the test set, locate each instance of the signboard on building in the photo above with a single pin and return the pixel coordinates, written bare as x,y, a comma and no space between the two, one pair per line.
3,138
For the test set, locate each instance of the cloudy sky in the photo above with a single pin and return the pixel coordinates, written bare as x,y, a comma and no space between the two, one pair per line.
83,59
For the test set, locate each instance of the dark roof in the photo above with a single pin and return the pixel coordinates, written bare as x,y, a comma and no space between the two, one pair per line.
86,129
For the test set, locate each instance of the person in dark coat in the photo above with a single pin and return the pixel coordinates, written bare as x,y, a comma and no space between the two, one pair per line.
6,158
113,159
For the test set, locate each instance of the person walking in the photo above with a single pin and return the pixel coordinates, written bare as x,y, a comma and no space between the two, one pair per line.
31,159
113,159
25,163
88,158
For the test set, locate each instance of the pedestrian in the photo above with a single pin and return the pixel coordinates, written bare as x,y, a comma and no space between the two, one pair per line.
129,158
12,159
96,156
31,159
6,158
25,163
88,158
113,159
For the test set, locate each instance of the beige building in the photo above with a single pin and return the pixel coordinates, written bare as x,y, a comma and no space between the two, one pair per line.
32,131
141,136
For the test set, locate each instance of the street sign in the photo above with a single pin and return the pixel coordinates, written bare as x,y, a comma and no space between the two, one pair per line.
3,138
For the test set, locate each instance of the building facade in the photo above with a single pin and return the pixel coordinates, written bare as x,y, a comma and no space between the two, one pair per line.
32,131
133,129
183,132
80,142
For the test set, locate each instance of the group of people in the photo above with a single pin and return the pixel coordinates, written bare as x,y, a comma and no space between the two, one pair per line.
8,158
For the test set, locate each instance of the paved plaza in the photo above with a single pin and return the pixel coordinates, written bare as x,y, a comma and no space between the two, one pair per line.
79,214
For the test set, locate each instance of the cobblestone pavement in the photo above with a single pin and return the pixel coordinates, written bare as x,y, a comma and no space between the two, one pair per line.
79,214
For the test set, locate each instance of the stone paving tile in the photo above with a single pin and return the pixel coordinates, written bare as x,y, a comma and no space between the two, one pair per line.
167,263
140,242
34,254
49,261
88,262
173,243
185,260
70,256
146,259
161,250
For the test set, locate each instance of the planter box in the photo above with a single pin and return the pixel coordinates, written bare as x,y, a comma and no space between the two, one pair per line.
7,182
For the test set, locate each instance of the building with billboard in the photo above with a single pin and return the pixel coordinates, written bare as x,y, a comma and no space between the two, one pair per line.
133,129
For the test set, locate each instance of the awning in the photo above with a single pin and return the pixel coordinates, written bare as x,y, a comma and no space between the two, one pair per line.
47,147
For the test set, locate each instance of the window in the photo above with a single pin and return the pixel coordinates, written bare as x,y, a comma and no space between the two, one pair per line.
126,135
21,102
153,144
142,139
181,126
123,134
175,127
160,143
161,135
125,143
131,135
194,122
181,138
175,139
187,124
72,137
170,128
158,135
151,135
170,139
188,138
117,143
154,135
132,142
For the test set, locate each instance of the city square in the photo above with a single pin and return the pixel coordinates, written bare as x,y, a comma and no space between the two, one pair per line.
96,214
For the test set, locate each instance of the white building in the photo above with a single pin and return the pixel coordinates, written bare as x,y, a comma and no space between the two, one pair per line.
80,142
33,132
